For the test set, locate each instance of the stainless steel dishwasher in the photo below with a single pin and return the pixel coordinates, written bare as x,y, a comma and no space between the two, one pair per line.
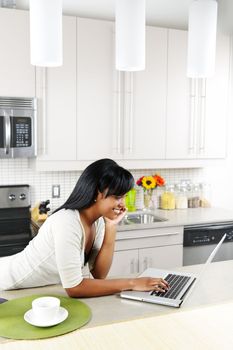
200,240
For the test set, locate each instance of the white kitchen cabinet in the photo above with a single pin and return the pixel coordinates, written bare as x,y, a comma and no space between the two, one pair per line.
161,257
154,118
124,263
144,122
196,106
56,92
217,97
139,249
16,72
119,114
95,89
178,119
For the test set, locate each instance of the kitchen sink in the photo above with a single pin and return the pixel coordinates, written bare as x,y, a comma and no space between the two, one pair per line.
140,218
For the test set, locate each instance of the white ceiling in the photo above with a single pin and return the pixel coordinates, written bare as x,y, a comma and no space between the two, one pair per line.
165,13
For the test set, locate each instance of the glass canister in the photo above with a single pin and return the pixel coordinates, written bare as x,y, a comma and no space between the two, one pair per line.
139,203
130,200
168,198
194,196
181,199
205,195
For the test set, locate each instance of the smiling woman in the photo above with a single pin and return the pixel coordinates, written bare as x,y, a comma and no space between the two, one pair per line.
81,231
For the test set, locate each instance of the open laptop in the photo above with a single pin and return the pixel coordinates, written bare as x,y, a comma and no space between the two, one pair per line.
179,283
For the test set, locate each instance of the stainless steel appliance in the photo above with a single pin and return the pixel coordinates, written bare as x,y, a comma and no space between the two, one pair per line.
17,127
199,241
15,219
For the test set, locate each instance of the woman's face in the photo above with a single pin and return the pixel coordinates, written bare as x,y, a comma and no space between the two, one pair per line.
111,206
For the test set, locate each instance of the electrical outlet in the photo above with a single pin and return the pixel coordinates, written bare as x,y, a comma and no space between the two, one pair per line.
55,191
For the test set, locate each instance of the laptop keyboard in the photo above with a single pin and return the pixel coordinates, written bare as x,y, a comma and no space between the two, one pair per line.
176,283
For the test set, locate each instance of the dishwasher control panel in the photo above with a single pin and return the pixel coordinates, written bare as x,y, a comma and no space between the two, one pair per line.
212,234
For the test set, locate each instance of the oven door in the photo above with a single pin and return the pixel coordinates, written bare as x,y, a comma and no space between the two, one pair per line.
12,248
15,234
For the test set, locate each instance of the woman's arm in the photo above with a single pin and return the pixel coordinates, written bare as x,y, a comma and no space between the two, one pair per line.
98,287
104,257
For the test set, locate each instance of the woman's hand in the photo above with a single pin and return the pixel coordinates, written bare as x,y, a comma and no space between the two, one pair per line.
122,212
144,284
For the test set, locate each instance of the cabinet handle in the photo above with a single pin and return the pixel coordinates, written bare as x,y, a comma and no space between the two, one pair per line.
132,266
156,235
45,100
118,112
41,92
7,132
145,263
167,234
128,132
119,109
131,113
202,111
192,114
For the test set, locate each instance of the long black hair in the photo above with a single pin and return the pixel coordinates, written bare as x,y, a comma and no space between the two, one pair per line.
102,175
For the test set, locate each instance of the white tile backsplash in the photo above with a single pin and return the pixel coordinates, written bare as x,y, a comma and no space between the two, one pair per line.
17,171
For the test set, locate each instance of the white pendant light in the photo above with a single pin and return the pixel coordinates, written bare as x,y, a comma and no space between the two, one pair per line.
202,38
130,35
46,32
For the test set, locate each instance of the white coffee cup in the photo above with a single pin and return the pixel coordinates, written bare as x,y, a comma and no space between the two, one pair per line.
45,308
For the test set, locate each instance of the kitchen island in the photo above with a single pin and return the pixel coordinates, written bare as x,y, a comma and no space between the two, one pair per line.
204,321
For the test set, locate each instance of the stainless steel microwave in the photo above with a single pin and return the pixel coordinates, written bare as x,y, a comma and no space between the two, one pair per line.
18,127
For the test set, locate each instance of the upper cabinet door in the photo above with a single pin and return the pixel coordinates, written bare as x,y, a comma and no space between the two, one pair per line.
213,143
16,72
196,108
56,92
95,89
145,96
179,119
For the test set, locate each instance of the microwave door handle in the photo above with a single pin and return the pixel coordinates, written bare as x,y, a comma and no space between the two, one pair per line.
7,133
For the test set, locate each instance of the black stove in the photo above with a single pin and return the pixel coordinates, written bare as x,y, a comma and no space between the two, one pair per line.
15,219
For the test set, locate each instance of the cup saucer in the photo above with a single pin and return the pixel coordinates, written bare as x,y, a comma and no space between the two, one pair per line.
30,317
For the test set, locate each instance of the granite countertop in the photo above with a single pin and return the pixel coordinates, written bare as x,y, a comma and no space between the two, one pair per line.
184,217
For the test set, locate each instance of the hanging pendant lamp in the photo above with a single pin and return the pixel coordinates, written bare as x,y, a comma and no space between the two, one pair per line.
202,38
130,35
46,32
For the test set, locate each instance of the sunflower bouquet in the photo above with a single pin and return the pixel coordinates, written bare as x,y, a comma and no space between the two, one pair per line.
149,183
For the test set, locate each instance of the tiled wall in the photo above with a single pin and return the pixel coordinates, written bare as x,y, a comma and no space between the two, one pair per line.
16,171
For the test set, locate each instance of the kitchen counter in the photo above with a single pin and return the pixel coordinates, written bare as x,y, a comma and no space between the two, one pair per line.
203,321
184,217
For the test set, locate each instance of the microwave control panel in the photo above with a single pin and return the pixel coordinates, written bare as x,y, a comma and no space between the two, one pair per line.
21,132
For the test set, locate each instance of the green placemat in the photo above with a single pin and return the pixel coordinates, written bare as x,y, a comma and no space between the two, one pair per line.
13,325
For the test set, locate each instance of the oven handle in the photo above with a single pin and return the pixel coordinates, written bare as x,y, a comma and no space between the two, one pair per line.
7,132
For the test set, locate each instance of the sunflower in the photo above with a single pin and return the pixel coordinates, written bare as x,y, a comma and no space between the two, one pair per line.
148,182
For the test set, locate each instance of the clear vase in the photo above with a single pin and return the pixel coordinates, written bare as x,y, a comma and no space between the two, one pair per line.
147,199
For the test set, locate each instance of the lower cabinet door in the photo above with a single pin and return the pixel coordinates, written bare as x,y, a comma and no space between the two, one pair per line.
161,257
125,263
